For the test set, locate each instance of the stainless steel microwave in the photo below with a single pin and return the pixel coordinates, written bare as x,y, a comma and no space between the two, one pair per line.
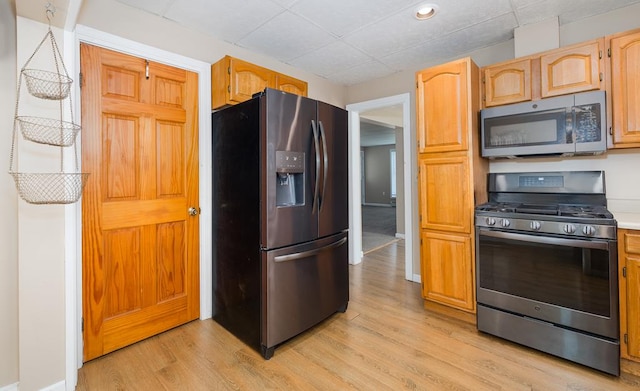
563,125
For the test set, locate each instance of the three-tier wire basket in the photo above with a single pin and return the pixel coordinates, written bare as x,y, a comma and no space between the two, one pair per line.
60,187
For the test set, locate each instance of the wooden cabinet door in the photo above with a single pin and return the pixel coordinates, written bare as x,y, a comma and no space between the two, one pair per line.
507,83
443,107
447,274
629,281
444,187
625,87
290,84
570,70
245,79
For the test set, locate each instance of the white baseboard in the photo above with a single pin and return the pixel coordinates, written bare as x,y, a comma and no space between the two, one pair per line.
399,236
416,278
10,387
59,386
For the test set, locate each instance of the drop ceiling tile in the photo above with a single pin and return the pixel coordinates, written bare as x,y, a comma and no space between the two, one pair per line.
454,45
154,6
568,11
340,17
402,30
226,20
331,59
285,37
363,72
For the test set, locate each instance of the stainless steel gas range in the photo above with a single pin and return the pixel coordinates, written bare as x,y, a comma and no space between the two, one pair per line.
546,265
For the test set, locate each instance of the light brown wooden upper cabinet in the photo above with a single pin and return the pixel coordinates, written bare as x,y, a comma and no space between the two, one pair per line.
442,101
571,69
624,88
234,81
507,82
290,84
567,70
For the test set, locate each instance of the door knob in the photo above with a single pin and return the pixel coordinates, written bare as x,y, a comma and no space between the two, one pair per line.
193,211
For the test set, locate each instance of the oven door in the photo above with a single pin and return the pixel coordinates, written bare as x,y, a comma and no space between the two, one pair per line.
564,281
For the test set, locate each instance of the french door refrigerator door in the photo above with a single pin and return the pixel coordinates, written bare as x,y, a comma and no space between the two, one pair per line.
302,285
334,178
289,165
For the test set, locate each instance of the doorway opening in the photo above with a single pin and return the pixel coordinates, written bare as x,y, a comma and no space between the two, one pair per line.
355,184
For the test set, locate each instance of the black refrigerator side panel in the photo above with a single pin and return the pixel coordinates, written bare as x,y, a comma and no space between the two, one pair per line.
288,170
334,206
236,213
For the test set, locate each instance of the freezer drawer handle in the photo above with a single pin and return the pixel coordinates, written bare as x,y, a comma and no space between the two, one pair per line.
306,254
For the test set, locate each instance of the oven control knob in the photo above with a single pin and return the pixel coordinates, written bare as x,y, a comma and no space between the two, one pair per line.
534,225
505,223
588,230
490,221
569,228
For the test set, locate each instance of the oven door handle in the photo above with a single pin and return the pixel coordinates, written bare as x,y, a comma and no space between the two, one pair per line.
596,244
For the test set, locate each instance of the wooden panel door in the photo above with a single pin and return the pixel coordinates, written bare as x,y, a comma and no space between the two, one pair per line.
443,107
507,83
625,88
444,193
570,70
447,275
140,258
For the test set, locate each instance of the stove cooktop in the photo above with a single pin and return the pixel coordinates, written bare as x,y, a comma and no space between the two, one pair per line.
566,210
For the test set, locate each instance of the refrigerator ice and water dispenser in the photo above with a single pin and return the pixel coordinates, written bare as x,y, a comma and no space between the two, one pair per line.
289,178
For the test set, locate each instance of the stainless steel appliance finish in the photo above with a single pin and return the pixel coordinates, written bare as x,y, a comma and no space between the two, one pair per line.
564,125
546,265
280,217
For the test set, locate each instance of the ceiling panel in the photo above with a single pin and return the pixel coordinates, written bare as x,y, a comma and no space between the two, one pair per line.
352,41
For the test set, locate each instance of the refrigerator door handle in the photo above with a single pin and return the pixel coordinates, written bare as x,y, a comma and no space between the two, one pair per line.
325,166
316,142
309,253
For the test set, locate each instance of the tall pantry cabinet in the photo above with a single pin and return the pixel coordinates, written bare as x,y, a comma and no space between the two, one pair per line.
451,180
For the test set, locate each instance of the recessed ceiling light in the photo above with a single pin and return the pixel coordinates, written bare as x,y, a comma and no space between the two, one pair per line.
426,11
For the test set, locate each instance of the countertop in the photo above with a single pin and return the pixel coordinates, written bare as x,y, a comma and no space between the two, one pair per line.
626,213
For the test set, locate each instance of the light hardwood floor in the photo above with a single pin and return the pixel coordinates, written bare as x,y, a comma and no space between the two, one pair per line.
387,340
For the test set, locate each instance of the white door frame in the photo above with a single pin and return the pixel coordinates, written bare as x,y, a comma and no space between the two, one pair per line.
73,213
355,210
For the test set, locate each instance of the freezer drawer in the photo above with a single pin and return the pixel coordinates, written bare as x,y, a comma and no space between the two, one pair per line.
303,285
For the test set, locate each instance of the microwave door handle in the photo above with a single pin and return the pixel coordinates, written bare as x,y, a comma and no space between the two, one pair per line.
570,120
599,245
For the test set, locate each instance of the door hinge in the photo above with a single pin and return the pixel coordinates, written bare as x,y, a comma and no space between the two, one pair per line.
624,272
229,70
146,69
626,339
601,76
611,130
82,324
80,79
609,52
600,54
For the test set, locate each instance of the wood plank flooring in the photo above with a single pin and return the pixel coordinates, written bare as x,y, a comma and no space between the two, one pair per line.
387,340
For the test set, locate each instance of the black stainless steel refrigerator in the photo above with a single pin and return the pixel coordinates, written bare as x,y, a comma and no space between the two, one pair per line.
280,217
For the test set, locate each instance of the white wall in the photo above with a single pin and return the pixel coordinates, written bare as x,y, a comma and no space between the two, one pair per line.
614,162
40,241
8,203
127,22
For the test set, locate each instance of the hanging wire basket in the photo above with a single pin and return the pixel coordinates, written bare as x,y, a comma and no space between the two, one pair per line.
50,188
47,85
48,130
